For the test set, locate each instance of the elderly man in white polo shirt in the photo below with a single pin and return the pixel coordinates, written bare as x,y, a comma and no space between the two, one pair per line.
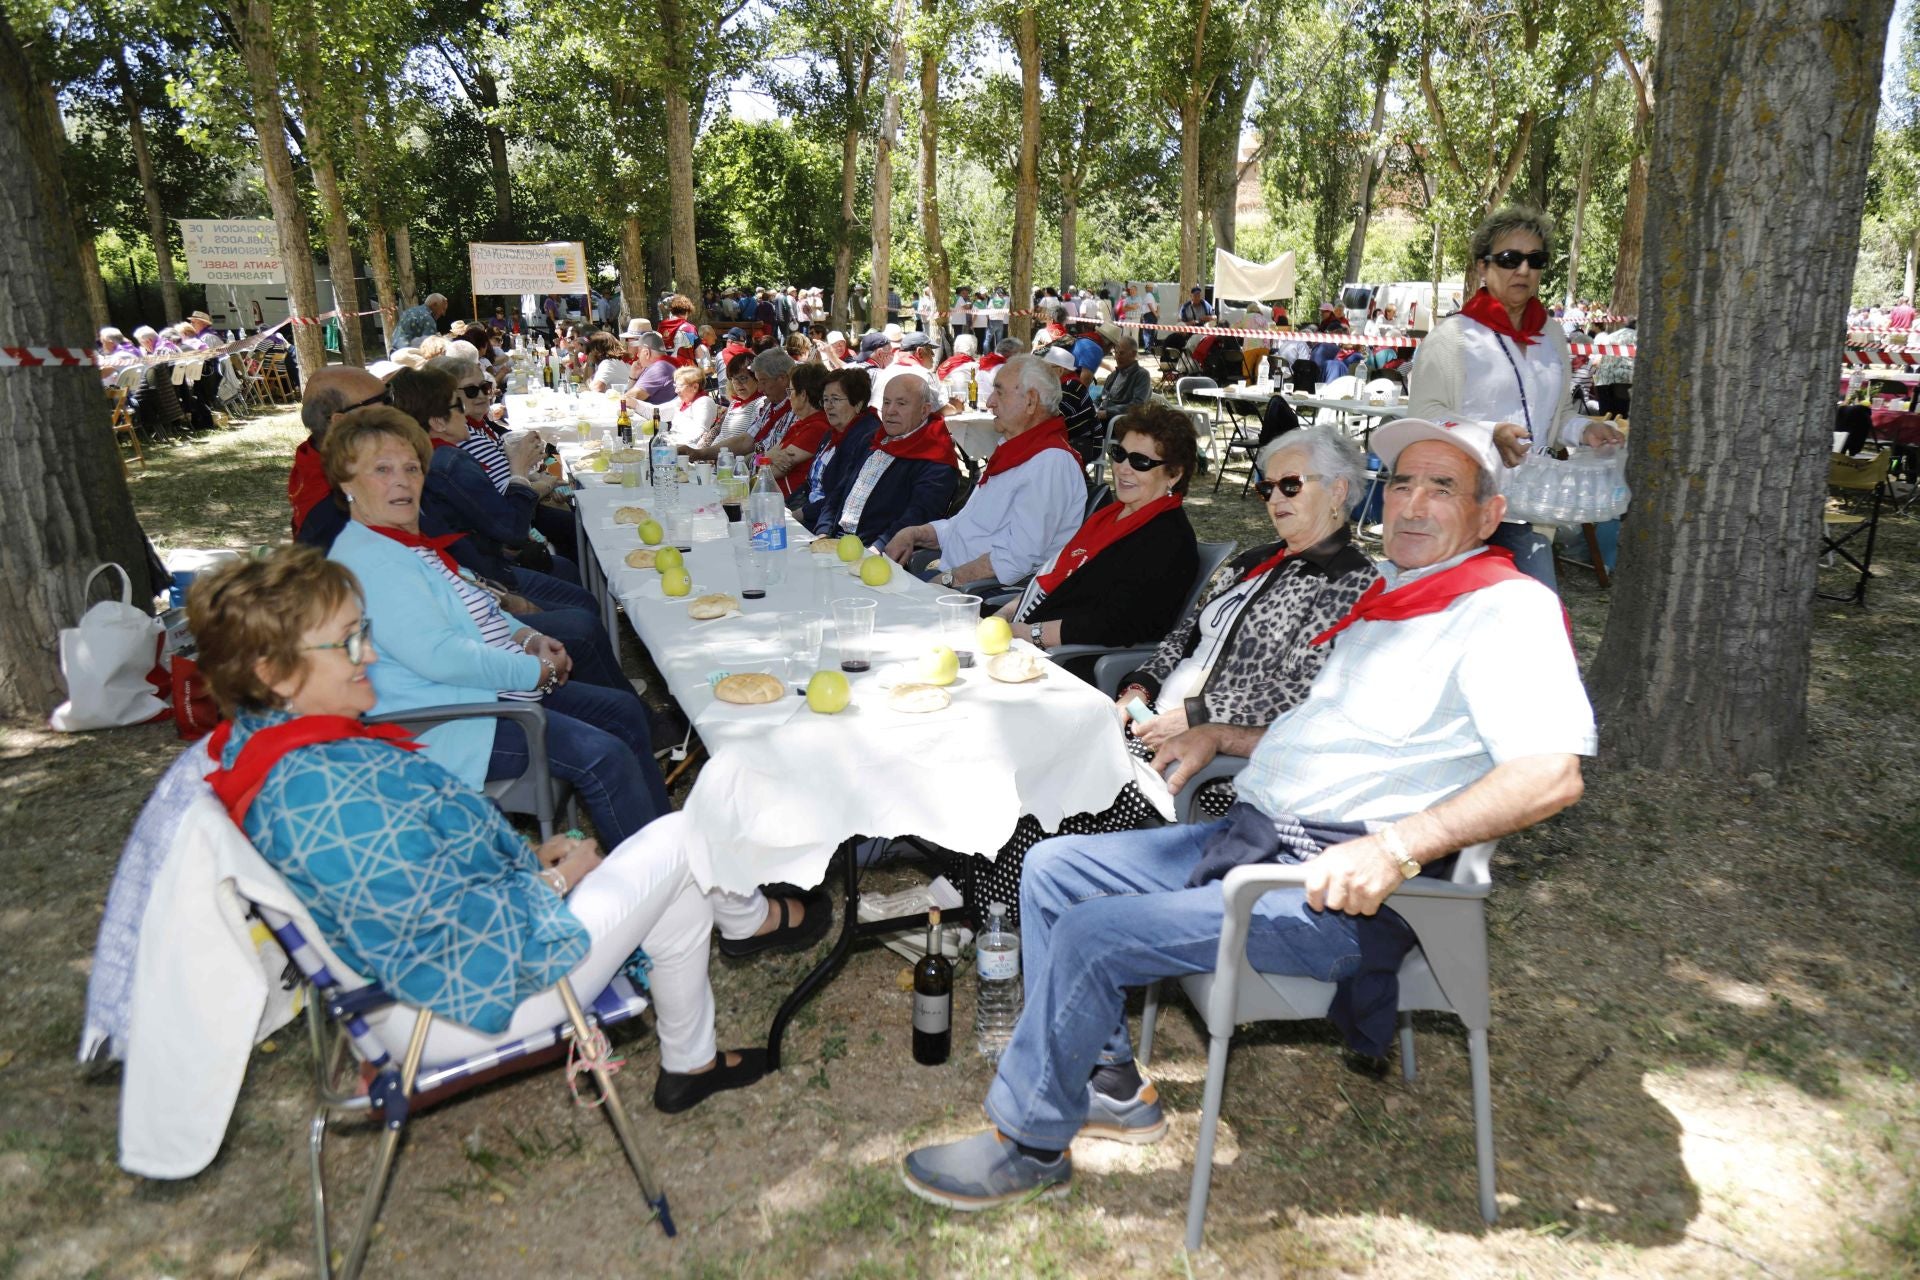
1030,497
1420,736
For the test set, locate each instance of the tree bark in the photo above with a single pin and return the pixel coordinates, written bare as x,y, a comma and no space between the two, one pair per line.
1189,195
1584,185
326,180
882,221
843,245
149,189
504,225
1026,190
939,277
253,23
1069,236
1707,653
1369,173
633,264
53,420
102,315
1906,284
403,265
379,257
1626,269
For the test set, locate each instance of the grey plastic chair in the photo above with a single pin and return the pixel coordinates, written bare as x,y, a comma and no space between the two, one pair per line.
1212,556
537,791
1447,972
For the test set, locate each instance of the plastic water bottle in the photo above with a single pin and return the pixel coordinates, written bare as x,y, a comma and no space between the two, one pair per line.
767,518
996,955
660,460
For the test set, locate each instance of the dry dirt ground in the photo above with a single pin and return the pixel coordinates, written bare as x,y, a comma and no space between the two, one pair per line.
1703,1051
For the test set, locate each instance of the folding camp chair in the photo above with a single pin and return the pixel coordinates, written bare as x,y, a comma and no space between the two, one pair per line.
1446,971
123,425
1849,475
339,1002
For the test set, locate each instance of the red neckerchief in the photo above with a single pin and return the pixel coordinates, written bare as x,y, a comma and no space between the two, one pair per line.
1102,529
1270,562
437,544
766,431
741,404
991,362
485,428
688,404
307,485
1431,594
1051,434
1483,308
238,786
928,442
950,364
438,443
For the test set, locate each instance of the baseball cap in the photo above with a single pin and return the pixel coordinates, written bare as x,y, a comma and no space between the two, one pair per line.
736,335
915,340
873,342
835,336
1475,439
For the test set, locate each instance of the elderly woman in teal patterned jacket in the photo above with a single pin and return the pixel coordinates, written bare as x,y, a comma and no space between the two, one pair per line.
415,880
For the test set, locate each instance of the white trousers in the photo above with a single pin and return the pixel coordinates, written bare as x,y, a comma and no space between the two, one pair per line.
642,896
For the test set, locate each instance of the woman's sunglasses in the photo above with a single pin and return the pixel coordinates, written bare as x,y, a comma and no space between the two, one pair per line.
1509,259
356,642
457,407
385,397
1138,461
1289,486
475,391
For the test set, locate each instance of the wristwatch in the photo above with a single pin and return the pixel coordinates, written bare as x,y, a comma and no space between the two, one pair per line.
1033,634
1397,850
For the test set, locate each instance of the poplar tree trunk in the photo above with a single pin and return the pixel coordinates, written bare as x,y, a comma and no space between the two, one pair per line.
149,189
64,505
1708,646
633,264
686,255
253,22
1026,191
843,245
1369,174
1906,284
1584,186
403,265
102,315
326,179
1633,222
882,222
939,276
1069,235
1189,195
379,257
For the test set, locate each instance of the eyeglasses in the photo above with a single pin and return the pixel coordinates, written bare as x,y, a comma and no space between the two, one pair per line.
1510,259
356,644
1289,486
475,391
1138,461
456,407
385,397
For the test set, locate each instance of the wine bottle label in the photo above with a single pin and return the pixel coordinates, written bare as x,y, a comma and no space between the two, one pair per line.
932,1014
996,966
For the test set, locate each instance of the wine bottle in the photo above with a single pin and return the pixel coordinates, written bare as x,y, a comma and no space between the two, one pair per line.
932,1000
624,426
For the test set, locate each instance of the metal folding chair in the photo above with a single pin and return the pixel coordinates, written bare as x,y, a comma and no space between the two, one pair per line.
337,1008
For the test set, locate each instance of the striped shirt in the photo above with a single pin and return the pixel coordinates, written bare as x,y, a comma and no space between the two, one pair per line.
485,450
496,628
1407,713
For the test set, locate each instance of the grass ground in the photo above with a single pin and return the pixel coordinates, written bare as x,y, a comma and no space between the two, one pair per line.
1703,1053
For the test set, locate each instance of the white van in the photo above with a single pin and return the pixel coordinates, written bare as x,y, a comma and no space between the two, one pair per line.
1411,300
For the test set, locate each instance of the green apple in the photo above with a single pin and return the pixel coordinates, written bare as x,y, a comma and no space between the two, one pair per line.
668,558
850,548
827,692
994,635
876,571
676,582
942,666
651,533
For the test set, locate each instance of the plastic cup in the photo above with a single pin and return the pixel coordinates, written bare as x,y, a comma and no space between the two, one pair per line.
802,634
853,633
959,624
752,568
679,529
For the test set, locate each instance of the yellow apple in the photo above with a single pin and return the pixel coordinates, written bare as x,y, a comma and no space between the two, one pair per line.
993,635
676,582
599,463
668,558
651,533
876,571
850,548
942,666
827,692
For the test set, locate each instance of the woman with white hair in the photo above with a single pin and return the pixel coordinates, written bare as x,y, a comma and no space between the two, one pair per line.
964,351
908,474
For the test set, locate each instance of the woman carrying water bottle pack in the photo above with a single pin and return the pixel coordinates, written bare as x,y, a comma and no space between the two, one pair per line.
1503,360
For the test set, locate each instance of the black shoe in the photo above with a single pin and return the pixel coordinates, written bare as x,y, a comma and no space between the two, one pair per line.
788,937
674,1092
1364,1064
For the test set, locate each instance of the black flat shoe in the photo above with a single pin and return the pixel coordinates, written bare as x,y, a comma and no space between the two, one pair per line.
789,936
674,1092
1364,1064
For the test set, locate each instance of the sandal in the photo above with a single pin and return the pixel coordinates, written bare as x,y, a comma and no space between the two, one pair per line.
789,936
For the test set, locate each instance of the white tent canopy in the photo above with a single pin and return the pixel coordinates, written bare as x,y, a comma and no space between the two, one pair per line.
1252,281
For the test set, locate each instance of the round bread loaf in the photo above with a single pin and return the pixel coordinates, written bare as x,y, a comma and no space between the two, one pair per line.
917,699
630,515
1015,667
749,689
640,558
828,546
628,455
714,606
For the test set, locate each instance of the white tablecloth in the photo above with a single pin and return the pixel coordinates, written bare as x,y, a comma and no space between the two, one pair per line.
973,432
784,786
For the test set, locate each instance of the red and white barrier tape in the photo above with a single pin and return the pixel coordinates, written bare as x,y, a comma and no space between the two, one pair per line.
1882,359
37,357
1339,339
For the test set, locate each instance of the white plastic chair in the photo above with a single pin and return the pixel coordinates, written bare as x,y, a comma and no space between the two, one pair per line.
1447,971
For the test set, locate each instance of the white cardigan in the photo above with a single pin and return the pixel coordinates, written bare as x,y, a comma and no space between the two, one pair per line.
1465,372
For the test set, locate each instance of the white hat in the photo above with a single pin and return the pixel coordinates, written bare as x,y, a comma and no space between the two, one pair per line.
384,369
894,333
835,336
636,327
1059,357
1475,439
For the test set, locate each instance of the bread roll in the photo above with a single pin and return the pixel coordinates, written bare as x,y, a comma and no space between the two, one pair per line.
917,699
713,606
628,455
630,515
827,546
1015,667
750,689
640,558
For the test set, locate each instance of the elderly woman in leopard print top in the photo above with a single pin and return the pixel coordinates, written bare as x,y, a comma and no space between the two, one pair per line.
1244,653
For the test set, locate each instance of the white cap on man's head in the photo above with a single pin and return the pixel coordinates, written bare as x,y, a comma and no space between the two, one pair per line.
835,336
1475,439
385,369
1059,358
894,333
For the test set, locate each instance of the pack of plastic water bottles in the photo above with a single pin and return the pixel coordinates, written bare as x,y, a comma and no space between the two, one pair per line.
1587,487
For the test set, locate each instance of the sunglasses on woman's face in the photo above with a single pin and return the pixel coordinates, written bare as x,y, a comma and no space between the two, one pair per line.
1510,259
385,397
1138,461
475,391
1289,486
456,407
356,642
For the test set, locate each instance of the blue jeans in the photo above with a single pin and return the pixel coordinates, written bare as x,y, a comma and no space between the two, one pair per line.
1532,552
597,741
556,590
1099,914
996,330
580,630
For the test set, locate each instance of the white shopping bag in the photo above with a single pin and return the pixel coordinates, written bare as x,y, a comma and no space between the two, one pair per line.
105,661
